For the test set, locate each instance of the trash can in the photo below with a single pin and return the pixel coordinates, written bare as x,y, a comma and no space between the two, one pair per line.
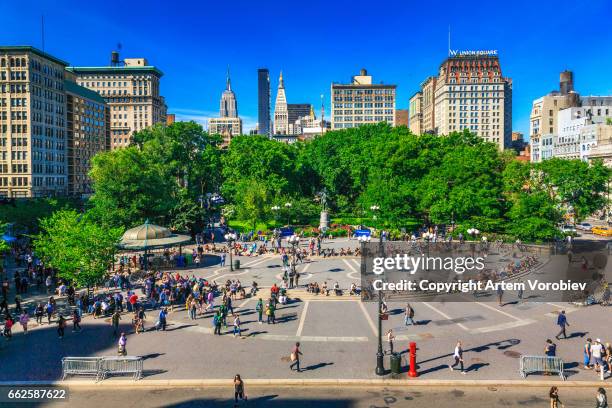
396,365
237,264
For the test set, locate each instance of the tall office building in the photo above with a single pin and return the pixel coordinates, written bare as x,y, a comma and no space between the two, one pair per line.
132,91
470,93
263,101
228,124
33,134
88,130
415,115
362,102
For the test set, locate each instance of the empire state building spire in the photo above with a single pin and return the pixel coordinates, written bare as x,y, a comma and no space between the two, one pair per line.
229,81
228,106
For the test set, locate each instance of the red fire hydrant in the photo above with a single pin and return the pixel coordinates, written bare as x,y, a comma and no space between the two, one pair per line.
412,372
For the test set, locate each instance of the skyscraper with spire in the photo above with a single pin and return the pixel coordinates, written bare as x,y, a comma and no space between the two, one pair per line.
228,124
281,114
229,106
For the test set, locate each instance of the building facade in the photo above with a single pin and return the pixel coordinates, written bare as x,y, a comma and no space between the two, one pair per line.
361,102
33,135
416,113
263,102
472,93
401,117
88,131
132,92
566,122
428,88
544,112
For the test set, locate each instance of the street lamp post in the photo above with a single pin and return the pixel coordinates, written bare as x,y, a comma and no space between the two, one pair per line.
294,240
474,234
275,210
380,368
288,207
230,237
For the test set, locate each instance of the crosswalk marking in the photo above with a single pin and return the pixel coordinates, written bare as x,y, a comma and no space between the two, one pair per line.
302,319
499,311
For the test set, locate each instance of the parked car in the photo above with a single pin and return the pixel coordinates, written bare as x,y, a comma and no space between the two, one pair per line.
603,231
568,229
584,226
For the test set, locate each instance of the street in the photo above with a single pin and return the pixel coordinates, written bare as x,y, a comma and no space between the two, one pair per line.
354,397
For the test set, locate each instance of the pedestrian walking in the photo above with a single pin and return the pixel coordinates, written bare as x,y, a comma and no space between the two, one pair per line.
500,295
458,356
601,399
239,391
562,323
217,322
61,325
236,325
115,323
259,309
39,312
295,357
162,322
270,312
76,321
222,260
409,315
555,402
586,354
23,320
390,339
122,345
597,352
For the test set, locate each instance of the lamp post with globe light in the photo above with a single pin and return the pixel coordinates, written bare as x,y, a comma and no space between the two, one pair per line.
288,207
380,368
275,209
231,237
294,241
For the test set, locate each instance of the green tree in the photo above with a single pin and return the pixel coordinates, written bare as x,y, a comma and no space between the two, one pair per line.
79,248
252,201
534,217
129,189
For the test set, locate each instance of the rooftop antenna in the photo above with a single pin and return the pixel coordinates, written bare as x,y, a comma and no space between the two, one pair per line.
322,114
42,31
449,42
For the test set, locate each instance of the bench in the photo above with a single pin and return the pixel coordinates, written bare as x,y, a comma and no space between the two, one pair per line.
121,365
541,364
88,366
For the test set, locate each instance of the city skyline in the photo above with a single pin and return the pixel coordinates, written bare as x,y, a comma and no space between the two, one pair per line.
400,51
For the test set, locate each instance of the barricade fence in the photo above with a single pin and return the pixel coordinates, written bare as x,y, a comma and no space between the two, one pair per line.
541,364
102,367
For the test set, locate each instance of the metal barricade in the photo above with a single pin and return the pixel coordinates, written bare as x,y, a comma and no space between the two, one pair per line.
541,364
89,366
121,365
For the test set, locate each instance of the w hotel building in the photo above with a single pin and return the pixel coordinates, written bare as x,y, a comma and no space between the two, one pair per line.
470,93
131,90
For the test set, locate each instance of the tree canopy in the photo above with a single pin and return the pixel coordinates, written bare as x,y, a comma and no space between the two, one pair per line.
79,248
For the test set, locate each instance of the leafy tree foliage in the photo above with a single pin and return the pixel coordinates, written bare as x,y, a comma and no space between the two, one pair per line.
79,248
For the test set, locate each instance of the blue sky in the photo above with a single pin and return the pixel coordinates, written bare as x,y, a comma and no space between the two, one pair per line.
317,42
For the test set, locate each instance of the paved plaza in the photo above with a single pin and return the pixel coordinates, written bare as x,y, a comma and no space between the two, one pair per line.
338,334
